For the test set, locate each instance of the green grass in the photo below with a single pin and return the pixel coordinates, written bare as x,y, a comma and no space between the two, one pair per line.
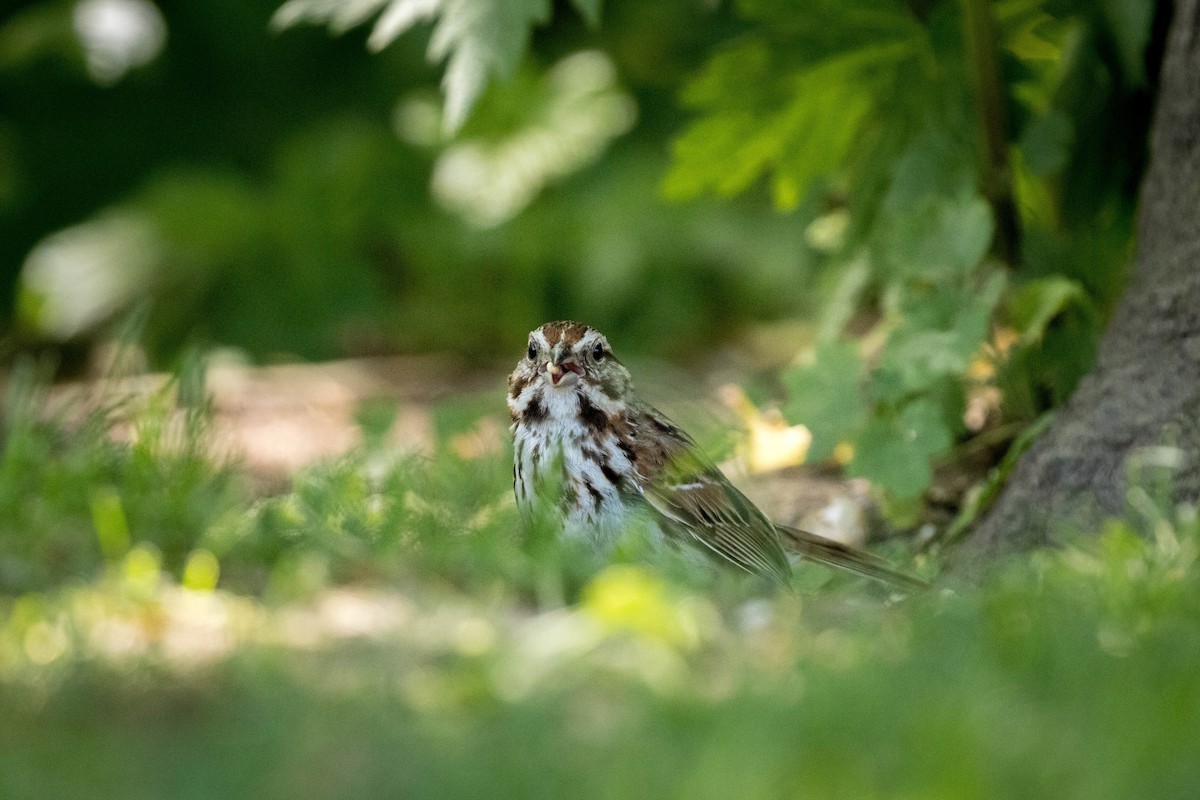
386,628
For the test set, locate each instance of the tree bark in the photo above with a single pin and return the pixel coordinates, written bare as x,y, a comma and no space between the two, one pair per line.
1145,389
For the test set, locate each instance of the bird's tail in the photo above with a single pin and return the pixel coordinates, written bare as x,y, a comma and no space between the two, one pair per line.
843,556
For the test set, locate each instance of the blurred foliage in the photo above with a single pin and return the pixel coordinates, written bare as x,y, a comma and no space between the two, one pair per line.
87,488
978,167
292,195
948,184
478,39
946,187
73,497
383,628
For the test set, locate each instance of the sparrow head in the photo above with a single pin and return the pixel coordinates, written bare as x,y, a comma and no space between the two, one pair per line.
567,354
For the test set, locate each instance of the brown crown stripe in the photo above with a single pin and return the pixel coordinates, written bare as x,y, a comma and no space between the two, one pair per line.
567,331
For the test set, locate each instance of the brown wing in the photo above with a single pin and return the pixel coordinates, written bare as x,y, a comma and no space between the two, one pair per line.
697,501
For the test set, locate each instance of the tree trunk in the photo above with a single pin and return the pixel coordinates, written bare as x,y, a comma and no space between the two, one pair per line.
1145,389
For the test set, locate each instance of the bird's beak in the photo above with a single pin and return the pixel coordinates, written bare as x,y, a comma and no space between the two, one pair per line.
564,374
558,370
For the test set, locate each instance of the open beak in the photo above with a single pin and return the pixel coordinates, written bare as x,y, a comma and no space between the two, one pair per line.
559,372
562,374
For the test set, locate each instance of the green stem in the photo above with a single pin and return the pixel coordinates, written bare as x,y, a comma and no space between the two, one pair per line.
979,30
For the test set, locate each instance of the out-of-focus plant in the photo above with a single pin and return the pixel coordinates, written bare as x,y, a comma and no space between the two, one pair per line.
428,686
962,180
978,183
82,487
954,181
478,39
573,114
304,214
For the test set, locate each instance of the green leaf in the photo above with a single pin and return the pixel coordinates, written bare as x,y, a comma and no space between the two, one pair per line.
1129,24
933,166
826,396
941,331
923,424
1046,143
1031,307
895,454
937,238
884,457
916,359
765,115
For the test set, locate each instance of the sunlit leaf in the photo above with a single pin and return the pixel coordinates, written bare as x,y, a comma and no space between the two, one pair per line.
625,598
764,115
201,571
79,277
567,119
477,39
108,518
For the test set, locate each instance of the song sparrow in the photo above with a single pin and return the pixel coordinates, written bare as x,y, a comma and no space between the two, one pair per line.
578,424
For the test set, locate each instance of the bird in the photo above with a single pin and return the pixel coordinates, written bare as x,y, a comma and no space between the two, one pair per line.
579,426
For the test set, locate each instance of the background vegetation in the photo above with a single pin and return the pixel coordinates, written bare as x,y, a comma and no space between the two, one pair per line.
915,216
943,191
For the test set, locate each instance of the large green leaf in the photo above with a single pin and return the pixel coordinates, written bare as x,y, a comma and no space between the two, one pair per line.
895,453
1046,143
826,396
1129,23
791,113
941,330
936,238
933,166
1031,307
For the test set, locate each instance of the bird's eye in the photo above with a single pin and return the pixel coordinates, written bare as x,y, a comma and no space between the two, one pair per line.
531,352
598,352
